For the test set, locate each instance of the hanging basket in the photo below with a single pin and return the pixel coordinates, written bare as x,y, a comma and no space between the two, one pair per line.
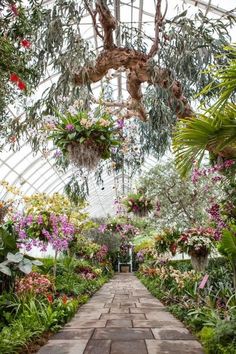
141,213
199,262
86,154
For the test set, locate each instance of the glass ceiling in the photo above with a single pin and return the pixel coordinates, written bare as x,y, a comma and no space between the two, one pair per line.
36,173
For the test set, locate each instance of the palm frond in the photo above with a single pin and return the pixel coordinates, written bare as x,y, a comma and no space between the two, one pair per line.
225,82
193,137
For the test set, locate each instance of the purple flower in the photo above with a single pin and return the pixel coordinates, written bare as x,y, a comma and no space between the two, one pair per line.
40,219
229,163
217,178
22,235
57,154
121,123
70,127
29,219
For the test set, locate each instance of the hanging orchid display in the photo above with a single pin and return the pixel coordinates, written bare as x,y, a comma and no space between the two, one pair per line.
84,138
138,203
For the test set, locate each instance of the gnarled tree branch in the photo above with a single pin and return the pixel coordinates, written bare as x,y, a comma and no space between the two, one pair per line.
158,24
137,65
93,15
108,23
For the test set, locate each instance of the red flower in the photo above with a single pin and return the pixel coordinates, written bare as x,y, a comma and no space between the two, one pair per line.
50,298
14,9
14,78
25,43
21,85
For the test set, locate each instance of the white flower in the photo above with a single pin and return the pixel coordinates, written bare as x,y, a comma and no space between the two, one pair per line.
72,110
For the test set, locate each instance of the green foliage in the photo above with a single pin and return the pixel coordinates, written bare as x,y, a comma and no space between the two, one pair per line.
221,339
35,318
18,22
210,310
178,311
83,247
177,209
25,319
167,241
214,131
227,244
193,137
138,203
227,247
15,262
7,240
109,238
224,80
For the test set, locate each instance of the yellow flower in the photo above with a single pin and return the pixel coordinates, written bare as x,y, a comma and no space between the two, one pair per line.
104,122
83,121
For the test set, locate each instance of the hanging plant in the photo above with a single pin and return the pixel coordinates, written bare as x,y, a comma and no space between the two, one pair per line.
138,204
85,140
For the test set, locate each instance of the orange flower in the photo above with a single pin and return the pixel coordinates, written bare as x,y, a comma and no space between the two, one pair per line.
50,298
64,299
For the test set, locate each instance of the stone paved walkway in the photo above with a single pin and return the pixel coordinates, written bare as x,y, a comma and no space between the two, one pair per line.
123,318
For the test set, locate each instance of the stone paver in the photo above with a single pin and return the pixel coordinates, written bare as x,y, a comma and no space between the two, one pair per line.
123,318
129,347
173,347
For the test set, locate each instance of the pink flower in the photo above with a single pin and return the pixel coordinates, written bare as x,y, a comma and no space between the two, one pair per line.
70,127
102,228
229,163
14,9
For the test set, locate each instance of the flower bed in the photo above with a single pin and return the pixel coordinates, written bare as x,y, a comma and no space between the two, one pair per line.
209,312
42,304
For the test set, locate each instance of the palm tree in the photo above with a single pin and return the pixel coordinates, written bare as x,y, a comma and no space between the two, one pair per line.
214,131
194,137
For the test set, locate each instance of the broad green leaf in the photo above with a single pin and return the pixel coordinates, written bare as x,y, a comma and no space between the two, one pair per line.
14,258
4,269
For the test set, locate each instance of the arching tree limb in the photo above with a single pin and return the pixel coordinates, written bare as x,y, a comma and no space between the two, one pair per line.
137,65
108,23
158,24
93,15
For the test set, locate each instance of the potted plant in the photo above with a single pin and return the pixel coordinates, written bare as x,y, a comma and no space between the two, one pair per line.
138,203
198,243
124,254
124,259
167,241
85,140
